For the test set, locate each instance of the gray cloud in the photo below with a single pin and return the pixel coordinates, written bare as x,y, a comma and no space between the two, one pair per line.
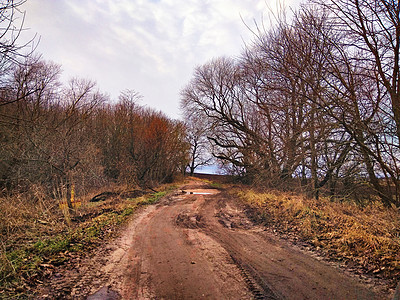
150,46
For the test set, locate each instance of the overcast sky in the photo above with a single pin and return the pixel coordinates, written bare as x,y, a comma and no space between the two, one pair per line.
150,46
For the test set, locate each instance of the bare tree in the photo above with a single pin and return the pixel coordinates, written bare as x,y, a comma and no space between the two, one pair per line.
373,28
363,63
200,152
214,93
12,22
24,123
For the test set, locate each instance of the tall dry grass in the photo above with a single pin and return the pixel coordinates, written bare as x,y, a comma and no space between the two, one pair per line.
369,235
24,219
22,215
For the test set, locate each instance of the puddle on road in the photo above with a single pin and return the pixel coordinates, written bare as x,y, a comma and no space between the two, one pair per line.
200,192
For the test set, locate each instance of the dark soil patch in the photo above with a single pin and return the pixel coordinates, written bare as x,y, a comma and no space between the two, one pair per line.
191,221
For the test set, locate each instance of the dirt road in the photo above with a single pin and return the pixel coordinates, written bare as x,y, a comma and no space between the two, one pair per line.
200,244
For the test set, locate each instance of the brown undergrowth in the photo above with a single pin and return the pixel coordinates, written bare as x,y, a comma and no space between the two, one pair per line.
36,237
367,236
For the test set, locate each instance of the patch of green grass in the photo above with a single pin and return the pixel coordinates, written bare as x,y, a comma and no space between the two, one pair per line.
51,246
213,184
154,198
216,185
171,187
127,211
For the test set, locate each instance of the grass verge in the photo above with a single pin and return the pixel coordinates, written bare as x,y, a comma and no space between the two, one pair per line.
368,237
26,259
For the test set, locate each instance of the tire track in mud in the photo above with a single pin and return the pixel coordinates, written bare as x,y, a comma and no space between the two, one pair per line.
232,219
256,285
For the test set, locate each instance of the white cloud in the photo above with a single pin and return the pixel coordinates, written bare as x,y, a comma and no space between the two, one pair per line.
151,46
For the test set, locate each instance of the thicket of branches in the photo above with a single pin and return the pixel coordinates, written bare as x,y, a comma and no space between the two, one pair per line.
57,135
313,103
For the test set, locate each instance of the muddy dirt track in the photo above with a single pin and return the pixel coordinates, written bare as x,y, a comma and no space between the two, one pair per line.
201,245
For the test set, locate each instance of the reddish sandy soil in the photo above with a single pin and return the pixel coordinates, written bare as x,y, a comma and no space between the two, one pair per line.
201,245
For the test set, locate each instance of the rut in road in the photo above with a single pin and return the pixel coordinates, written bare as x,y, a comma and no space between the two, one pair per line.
200,244
259,291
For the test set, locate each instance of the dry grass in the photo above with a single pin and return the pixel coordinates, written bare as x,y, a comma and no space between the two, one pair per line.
24,216
369,236
25,219
35,234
